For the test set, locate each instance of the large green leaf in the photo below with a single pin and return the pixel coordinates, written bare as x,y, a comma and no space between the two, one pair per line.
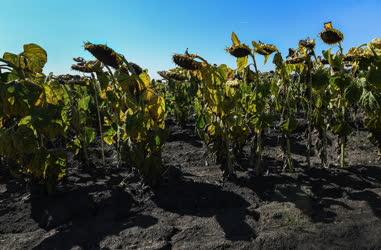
90,135
12,58
242,63
353,93
83,103
374,77
37,57
320,79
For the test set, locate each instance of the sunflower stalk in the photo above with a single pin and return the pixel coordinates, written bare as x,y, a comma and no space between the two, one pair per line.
309,113
343,140
258,165
99,118
256,146
118,140
324,154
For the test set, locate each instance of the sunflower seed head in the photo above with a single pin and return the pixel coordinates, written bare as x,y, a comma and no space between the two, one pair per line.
307,43
376,43
187,61
330,35
87,67
265,49
104,54
296,60
358,54
171,75
137,70
240,50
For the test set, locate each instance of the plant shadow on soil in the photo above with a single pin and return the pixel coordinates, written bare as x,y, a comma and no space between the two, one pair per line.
85,216
315,190
208,200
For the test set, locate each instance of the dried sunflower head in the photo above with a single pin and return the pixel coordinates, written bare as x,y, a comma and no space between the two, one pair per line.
358,54
137,70
87,67
168,75
296,60
307,43
291,53
104,54
240,50
187,61
79,60
295,57
331,35
376,43
71,79
264,49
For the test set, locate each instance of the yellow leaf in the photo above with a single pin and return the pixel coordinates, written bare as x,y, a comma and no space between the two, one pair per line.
122,116
11,100
145,79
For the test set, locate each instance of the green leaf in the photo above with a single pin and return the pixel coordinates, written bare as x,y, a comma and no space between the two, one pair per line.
37,57
12,58
353,93
83,103
341,82
109,135
242,63
266,58
289,125
157,140
374,77
201,123
24,140
90,135
27,120
278,60
320,79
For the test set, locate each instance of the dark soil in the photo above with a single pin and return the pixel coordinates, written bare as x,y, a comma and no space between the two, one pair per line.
193,208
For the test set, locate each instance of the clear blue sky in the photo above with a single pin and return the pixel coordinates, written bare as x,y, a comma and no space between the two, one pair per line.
148,32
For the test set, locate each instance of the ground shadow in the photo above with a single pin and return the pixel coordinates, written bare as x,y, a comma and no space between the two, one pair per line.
315,190
84,217
207,200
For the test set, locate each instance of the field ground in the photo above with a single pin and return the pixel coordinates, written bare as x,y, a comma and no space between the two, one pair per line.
193,209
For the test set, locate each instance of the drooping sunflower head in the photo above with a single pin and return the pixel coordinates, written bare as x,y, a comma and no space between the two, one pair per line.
264,49
135,68
330,35
362,55
173,75
104,54
296,60
376,43
187,61
307,43
240,50
87,66
295,56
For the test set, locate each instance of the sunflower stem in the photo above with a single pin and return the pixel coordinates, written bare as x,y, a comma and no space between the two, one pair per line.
99,117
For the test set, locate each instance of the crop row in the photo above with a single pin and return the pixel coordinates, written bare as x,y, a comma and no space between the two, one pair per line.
44,118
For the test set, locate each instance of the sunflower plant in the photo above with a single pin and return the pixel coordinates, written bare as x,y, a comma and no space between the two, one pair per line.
34,119
133,111
343,86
